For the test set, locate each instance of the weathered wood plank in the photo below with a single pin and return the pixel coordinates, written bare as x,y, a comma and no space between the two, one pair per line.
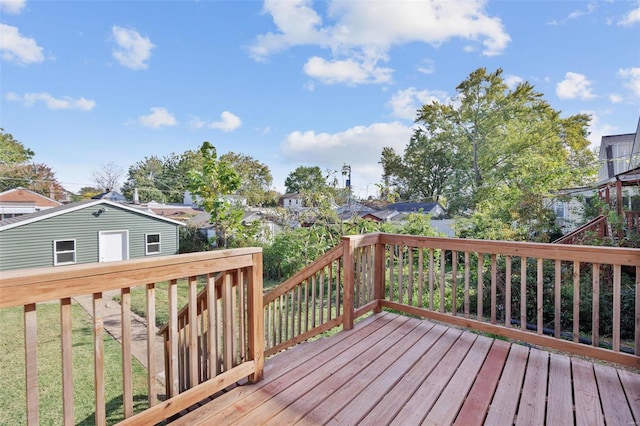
66,337
394,400
588,410
560,402
446,408
295,362
505,400
127,372
98,358
477,403
422,400
631,384
31,362
531,410
340,385
614,402
151,345
371,393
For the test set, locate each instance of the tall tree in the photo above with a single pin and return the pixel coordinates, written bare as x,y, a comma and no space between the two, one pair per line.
108,177
212,183
13,151
305,179
255,178
496,152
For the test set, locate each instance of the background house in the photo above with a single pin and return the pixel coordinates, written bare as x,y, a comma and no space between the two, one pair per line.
20,201
85,232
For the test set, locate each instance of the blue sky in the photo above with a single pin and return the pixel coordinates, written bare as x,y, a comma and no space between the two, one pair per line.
291,83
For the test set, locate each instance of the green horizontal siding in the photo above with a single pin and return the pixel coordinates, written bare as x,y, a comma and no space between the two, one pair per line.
31,245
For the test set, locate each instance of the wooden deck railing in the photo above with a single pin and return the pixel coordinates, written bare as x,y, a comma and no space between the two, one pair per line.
596,226
632,222
580,299
234,318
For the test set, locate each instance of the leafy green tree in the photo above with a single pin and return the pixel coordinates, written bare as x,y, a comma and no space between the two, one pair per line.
495,153
86,193
305,179
212,184
13,151
255,177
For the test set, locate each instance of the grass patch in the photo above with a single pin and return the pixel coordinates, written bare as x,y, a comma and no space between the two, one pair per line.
12,381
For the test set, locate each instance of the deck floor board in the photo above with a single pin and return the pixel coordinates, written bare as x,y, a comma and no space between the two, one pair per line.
394,370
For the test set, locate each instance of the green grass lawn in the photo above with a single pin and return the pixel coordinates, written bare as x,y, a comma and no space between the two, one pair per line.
12,381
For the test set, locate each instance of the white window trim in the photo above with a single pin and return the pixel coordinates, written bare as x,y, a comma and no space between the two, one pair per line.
55,253
147,244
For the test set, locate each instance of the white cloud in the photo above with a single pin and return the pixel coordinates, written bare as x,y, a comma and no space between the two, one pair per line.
512,81
574,86
632,77
615,98
133,50
360,35
12,7
346,71
228,122
405,103
358,146
591,7
631,18
427,66
66,102
18,49
159,117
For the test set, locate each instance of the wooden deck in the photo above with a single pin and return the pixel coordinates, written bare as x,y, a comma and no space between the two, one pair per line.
392,369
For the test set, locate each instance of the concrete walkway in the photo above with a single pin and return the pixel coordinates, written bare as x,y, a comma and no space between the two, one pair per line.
112,324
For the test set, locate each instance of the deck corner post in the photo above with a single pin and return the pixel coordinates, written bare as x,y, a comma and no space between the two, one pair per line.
348,245
378,289
256,318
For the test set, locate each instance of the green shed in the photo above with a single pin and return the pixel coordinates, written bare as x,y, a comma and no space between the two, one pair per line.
85,232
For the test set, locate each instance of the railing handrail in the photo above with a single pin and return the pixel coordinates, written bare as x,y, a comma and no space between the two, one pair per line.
328,257
580,253
590,225
25,286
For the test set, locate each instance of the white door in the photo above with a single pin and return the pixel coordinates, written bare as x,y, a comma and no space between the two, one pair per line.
113,245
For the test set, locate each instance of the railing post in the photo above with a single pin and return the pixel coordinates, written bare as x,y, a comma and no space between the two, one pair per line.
256,318
348,270
378,277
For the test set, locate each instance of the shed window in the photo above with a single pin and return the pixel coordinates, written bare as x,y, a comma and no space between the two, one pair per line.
64,252
152,243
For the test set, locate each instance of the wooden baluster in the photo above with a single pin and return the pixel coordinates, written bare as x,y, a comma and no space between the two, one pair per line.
127,372
454,281
420,276
98,358
494,288
242,306
595,305
228,321
172,378
212,330
348,308
321,296
151,345
286,316
467,279
313,301
431,279
255,319
31,362
507,292
299,310
378,274
637,321
443,273
576,301
392,259
338,274
539,294
410,277
306,305
617,284
557,299
523,293
400,275
66,328
480,286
